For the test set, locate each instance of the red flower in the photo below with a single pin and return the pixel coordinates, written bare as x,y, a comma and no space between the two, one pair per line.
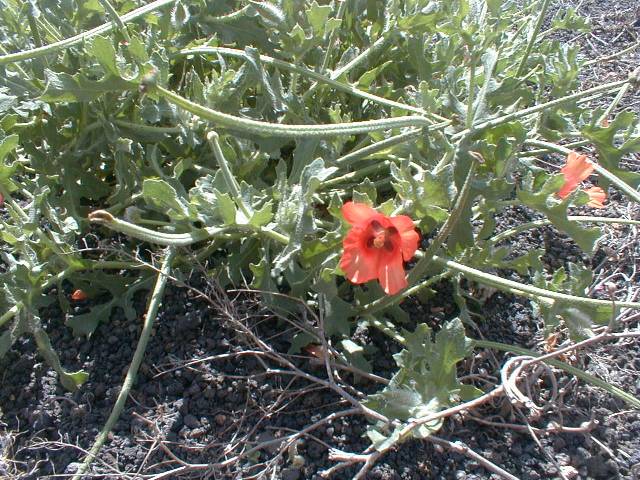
78,295
576,170
597,196
376,246
1,201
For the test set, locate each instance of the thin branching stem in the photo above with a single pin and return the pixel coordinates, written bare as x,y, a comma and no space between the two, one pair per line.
82,37
132,371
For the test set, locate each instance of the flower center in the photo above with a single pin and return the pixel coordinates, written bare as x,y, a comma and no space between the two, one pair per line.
381,237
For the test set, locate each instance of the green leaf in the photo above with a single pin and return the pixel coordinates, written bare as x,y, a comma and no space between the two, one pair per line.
609,147
317,16
569,19
7,145
578,318
227,208
555,210
12,333
428,196
121,290
102,49
179,15
269,12
426,381
62,87
336,312
164,197
70,380
262,216
297,211
367,78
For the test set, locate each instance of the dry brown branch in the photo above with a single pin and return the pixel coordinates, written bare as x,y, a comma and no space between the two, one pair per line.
463,449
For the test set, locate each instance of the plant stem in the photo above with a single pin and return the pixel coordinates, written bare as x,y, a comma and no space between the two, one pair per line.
522,289
618,98
351,157
539,108
461,202
146,129
320,78
230,180
541,223
472,93
81,37
145,335
104,218
332,38
373,168
229,17
534,36
387,301
381,43
613,390
387,329
612,56
115,18
266,129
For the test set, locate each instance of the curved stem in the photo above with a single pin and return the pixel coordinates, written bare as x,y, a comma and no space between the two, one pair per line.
386,301
522,289
229,17
265,129
132,372
351,157
376,46
148,129
373,168
461,202
229,179
343,87
534,36
104,218
115,18
541,223
427,259
539,108
582,375
612,56
81,37
332,38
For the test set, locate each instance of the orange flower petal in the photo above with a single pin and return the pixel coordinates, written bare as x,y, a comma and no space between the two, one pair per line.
408,234
358,263
575,171
391,275
357,213
597,196
78,295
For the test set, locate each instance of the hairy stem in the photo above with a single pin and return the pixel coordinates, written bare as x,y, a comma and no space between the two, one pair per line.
522,289
81,37
541,223
534,36
320,78
266,129
132,372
